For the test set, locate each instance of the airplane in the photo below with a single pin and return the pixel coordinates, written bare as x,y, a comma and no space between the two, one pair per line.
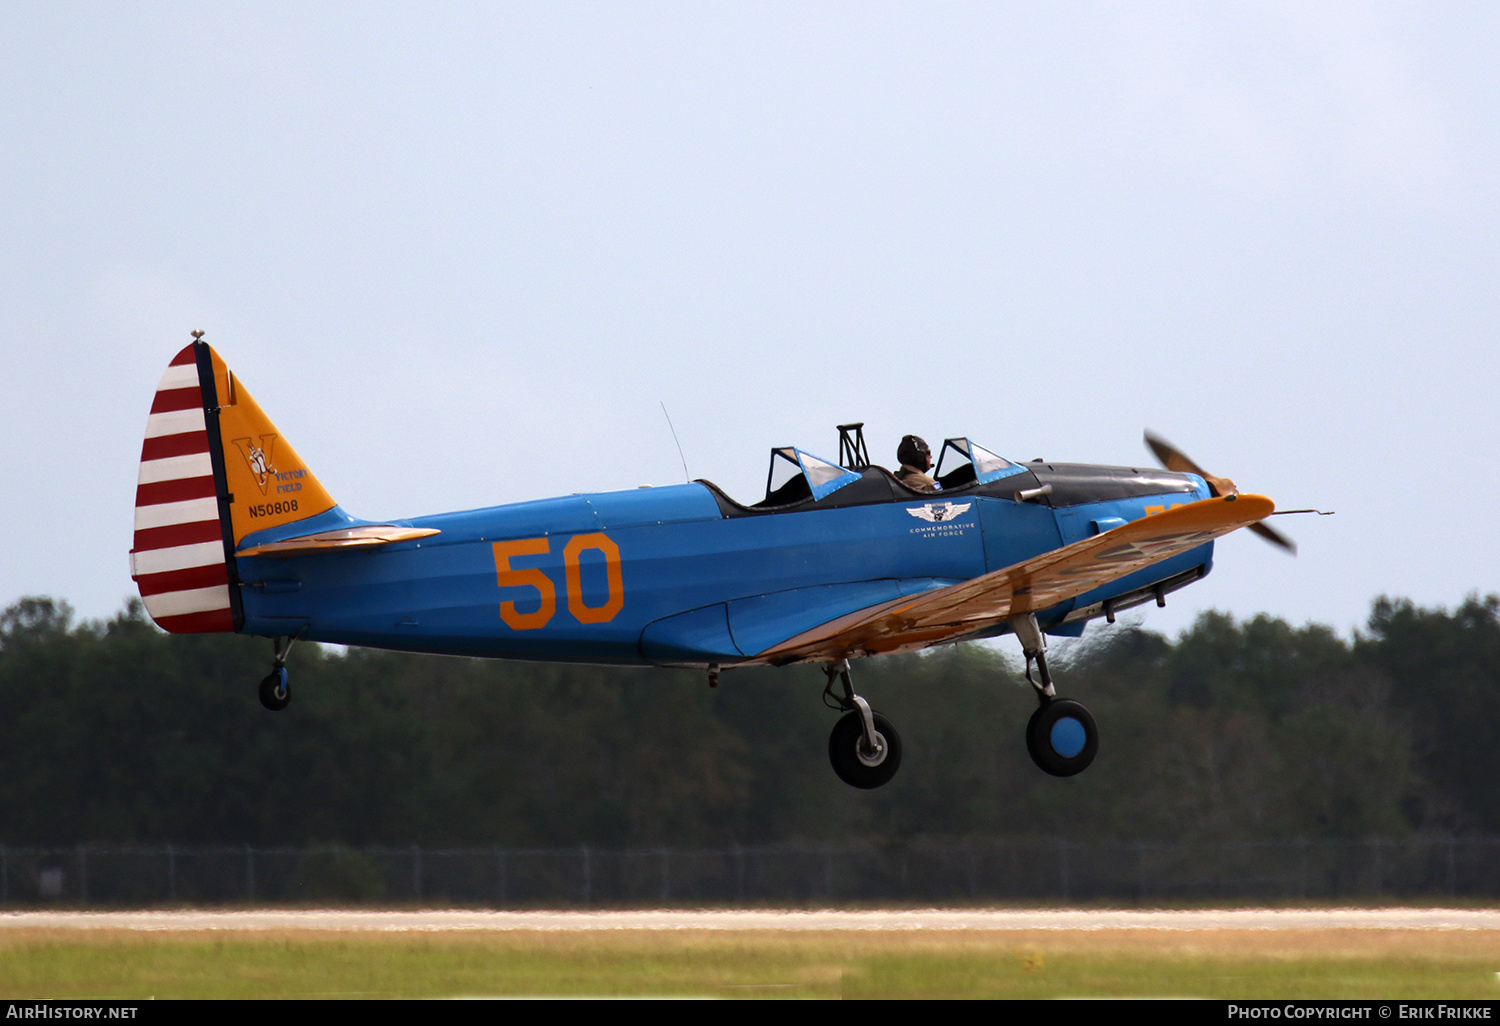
839,561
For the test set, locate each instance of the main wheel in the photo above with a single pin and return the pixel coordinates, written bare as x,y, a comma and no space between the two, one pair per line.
275,693
854,762
1062,738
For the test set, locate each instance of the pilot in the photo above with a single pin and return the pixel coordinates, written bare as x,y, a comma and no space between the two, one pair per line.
916,460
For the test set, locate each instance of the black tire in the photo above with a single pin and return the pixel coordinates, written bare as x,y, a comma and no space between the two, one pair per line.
275,693
846,743
1062,738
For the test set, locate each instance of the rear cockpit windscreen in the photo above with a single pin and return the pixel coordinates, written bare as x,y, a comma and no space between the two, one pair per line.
796,475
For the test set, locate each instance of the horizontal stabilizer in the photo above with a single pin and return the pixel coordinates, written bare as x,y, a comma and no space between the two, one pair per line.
344,538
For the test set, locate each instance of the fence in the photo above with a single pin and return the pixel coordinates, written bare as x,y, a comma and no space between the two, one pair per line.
795,875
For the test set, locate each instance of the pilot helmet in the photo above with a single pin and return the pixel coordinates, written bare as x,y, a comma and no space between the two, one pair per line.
913,452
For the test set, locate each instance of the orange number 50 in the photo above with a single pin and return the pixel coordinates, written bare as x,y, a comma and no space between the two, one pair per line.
532,577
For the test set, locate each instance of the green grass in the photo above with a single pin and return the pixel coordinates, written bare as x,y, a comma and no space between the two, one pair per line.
76,964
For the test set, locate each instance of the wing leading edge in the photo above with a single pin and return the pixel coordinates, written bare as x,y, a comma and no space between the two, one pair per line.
1027,587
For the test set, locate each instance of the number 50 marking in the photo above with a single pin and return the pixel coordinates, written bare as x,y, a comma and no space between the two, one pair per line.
533,577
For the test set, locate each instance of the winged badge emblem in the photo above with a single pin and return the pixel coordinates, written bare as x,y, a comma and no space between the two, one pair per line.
938,512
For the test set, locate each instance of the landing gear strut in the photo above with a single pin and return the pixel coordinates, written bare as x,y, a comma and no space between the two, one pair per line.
1061,735
275,692
864,748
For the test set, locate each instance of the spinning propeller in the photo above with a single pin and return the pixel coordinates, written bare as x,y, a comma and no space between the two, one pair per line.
1173,458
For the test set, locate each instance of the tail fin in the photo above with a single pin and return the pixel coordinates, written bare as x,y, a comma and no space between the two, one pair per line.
213,469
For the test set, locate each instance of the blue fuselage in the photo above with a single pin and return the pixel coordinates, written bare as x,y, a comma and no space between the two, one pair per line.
680,576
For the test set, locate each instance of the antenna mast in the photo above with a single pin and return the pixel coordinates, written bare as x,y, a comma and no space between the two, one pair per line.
685,475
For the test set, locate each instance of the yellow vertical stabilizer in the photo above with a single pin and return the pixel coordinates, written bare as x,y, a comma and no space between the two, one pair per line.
267,482
213,470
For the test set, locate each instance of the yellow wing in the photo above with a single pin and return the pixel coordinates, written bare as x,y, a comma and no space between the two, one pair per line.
1027,587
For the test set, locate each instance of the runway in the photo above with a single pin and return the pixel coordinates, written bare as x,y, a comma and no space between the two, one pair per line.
445,920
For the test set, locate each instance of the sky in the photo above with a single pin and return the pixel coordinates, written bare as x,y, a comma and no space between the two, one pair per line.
463,255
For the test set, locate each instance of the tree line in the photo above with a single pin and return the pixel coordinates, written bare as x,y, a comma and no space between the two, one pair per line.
114,732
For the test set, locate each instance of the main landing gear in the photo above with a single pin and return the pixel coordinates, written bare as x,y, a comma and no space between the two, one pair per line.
275,692
1061,735
864,748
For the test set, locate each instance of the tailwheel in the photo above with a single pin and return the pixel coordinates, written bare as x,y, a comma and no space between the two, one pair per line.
858,762
1062,738
275,693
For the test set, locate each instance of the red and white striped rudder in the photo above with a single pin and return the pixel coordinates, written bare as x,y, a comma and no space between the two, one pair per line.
179,560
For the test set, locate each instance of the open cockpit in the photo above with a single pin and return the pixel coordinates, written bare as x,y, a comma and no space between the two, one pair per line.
971,464
798,479
796,476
